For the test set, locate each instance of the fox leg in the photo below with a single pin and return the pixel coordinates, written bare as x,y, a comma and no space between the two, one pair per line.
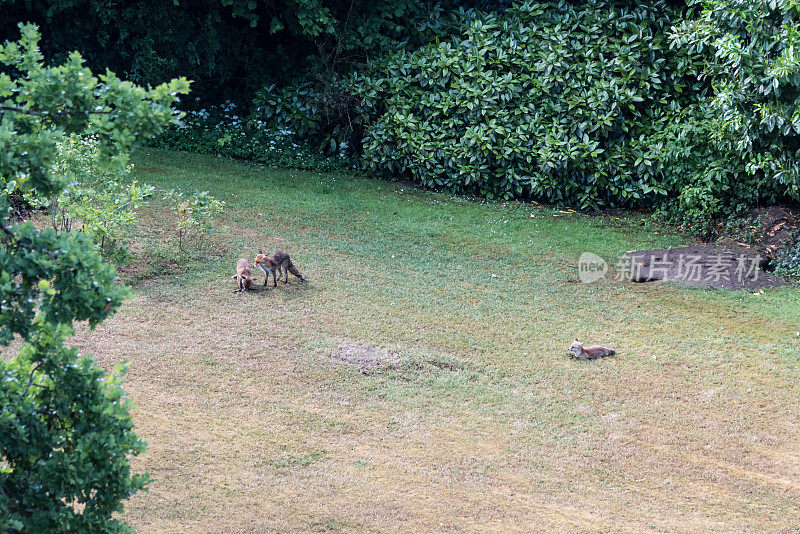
267,273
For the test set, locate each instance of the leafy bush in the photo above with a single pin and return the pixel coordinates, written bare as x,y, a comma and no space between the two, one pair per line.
294,108
707,187
752,51
788,257
317,103
551,100
736,148
193,212
102,201
221,131
312,111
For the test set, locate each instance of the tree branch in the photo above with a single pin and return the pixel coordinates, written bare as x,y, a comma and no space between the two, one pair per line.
30,381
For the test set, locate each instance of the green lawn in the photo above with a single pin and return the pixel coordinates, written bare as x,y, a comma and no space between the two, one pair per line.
480,421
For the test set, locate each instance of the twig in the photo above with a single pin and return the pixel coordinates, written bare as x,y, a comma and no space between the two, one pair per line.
30,381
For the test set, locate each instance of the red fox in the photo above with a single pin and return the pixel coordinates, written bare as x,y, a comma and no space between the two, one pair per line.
589,353
243,277
279,265
267,265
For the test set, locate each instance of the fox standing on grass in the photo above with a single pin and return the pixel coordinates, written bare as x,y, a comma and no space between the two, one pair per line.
279,265
243,276
589,353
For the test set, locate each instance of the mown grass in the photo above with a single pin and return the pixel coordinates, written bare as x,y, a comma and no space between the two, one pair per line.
481,422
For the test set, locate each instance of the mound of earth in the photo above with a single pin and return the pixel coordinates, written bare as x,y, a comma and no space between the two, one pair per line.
776,225
706,266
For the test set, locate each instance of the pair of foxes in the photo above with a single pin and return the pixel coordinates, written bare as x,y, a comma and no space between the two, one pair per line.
279,264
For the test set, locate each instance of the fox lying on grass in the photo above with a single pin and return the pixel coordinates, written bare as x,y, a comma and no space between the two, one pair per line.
243,276
279,265
589,353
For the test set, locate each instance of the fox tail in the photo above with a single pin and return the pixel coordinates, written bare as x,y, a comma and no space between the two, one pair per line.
294,271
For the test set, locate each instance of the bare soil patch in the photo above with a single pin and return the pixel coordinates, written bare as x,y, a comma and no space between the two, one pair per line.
367,358
448,366
727,264
776,226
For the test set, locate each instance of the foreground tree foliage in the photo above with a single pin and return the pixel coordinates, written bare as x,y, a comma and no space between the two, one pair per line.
65,429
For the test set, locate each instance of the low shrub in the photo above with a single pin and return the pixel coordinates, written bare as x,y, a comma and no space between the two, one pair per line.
193,212
787,261
709,189
103,202
100,202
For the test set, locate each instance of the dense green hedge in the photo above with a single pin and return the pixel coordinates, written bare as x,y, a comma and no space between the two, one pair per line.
752,57
550,100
